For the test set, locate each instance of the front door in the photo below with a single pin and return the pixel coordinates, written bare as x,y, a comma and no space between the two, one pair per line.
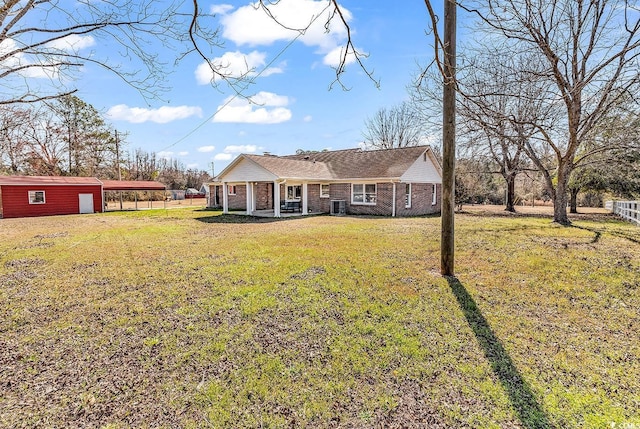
86,203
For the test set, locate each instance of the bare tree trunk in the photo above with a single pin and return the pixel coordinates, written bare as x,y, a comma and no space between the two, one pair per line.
573,203
511,193
448,140
560,196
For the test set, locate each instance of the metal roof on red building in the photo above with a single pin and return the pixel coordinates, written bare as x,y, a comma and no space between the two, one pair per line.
132,185
107,185
48,180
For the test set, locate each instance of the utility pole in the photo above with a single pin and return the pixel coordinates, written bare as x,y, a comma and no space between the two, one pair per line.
118,165
448,140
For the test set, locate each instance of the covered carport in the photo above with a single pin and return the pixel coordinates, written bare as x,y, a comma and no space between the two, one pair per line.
133,186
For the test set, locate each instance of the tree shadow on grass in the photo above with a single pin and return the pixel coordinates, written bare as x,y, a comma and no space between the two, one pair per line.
634,238
522,398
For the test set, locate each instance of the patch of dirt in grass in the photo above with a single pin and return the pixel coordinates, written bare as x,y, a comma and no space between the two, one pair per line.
23,271
71,379
412,410
309,273
23,263
286,331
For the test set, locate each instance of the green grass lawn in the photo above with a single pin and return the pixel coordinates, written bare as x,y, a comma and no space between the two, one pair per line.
187,318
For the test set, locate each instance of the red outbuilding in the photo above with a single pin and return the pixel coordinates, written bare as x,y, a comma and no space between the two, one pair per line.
22,196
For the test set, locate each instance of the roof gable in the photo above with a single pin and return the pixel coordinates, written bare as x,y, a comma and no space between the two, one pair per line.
245,169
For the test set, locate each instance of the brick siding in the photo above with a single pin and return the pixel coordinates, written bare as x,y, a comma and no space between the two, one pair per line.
421,198
264,196
239,200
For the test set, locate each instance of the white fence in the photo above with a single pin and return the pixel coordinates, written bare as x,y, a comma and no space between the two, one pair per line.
629,210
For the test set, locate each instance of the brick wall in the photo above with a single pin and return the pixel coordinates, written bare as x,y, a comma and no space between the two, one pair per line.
421,198
239,200
315,203
264,196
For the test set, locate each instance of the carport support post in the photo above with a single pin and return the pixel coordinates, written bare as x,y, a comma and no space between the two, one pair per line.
305,203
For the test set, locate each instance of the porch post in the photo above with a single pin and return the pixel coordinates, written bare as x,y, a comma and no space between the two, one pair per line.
276,199
393,206
304,199
249,188
225,199
254,197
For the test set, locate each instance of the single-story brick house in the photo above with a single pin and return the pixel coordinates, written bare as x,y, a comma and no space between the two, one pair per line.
388,182
29,196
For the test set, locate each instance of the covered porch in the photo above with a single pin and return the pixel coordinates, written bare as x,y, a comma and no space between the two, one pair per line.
278,198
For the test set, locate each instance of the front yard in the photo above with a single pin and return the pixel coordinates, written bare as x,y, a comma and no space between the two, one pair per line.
187,318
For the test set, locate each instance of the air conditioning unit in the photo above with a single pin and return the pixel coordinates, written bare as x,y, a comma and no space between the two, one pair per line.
338,207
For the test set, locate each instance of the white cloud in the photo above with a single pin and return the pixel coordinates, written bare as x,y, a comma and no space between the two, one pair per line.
308,118
220,9
246,148
264,108
162,115
235,65
165,154
73,42
249,25
223,157
334,57
183,153
18,59
206,149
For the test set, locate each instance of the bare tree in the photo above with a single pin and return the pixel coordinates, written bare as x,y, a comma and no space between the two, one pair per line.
45,150
13,127
590,51
500,98
44,43
398,126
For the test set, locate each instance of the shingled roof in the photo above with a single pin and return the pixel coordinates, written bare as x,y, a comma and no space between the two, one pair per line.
292,168
360,164
344,165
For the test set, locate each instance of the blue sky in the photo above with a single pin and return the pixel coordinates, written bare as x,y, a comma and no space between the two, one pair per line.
295,108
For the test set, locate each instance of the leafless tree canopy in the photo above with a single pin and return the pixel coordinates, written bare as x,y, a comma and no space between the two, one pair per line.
45,43
397,126
588,53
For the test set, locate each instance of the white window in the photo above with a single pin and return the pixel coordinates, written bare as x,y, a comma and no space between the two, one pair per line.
324,190
36,197
232,189
407,196
294,192
363,193
434,197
